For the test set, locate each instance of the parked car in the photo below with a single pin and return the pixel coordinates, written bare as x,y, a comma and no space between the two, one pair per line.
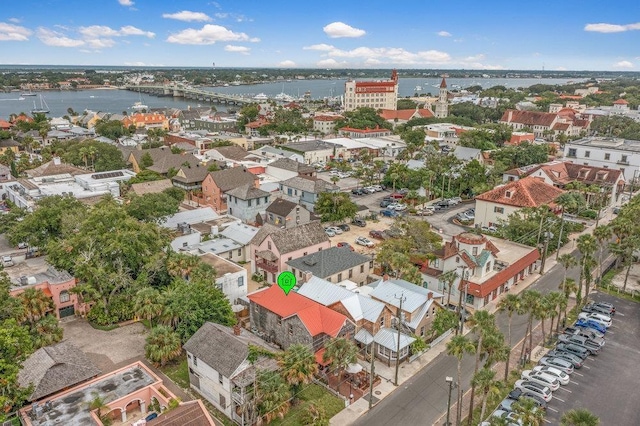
344,227
394,232
581,341
329,232
7,261
443,204
515,395
535,388
336,230
559,363
463,217
397,206
562,377
378,188
379,235
385,203
425,212
489,228
576,350
357,191
342,244
598,309
544,379
511,418
581,334
576,361
455,201
364,242
587,332
606,305
397,196
389,213
592,325
603,319
359,222
22,245
369,189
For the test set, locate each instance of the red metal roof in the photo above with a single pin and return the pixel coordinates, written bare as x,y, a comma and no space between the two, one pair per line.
316,317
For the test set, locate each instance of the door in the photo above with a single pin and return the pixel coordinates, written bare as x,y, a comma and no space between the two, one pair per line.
66,311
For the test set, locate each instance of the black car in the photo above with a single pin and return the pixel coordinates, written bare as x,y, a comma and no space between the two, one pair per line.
385,203
344,227
357,191
598,309
443,204
516,394
359,222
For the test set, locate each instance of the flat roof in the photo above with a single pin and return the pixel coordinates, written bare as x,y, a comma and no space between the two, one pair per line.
619,144
222,266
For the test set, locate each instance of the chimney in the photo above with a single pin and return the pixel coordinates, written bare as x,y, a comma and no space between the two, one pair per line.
236,329
56,161
307,276
385,277
430,295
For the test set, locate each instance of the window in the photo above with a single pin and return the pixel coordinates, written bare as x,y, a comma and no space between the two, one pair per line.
184,244
488,268
422,331
195,360
350,273
474,251
268,245
230,210
220,378
572,152
240,281
289,258
239,252
436,263
290,329
382,322
607,156
249,203
499,210
266,200
623,159
362,269
507,194
64,296
257,201
457,259
587,154
223,401
371,265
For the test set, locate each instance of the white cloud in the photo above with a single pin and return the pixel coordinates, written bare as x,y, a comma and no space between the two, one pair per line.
10,32
131,30
561,69
126,2
623,64
330,63
54,38
287,64
104,31
100,43
209,34
14,20
340,29
188,16
389,55
611,28
237,49
135,64
321,46
444,33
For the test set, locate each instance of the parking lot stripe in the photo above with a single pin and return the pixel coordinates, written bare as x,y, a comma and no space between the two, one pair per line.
561,400
619,313
588,368
546,421
581,375
565,389
575,383
553,409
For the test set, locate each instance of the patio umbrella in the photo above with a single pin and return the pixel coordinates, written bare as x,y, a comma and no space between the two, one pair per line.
353,368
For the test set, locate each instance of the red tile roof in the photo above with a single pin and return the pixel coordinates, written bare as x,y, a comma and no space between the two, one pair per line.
620,102
561,126
484,289
405,114
527,192
563,172
316,317
529,118
364,131
5,125
327,117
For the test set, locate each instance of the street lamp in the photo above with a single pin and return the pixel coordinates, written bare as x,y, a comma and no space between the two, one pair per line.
449,380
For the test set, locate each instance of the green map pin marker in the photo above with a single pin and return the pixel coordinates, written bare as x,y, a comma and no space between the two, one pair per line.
286,281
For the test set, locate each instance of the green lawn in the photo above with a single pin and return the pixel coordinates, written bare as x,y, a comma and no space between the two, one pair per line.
311,394
178,371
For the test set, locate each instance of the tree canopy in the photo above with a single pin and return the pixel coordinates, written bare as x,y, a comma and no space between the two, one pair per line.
363,118
335,206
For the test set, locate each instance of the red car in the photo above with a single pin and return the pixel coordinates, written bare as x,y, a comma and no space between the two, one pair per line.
397,195
379,235
347,245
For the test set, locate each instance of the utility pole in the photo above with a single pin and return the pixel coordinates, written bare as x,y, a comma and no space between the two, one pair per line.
560,235
371,377
544,252
461,302
399,319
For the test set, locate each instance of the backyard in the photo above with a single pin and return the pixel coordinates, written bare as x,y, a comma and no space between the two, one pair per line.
311,394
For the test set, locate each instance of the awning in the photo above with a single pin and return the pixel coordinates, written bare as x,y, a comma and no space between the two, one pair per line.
319,356
267,255
363,336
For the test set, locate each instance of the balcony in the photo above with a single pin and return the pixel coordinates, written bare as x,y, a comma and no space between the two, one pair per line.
624,162
265,265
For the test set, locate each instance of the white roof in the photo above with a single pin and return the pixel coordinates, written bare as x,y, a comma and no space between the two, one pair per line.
464,153
198,215
388,338
415,296
240,232
363,336
215,246
347,143
379,143
415,164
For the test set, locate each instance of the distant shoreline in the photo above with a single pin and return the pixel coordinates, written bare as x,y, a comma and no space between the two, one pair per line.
65,90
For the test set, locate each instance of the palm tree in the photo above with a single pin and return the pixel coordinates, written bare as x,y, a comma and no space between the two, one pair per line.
579,417
297,365
147,304
530,300
99,404
528,412
568,261
340,352
481,322
602,234
163,345
587,246
272,395
486,382
36,304
181,265
541,312
563,302
449,278
458,346
553,299
509,304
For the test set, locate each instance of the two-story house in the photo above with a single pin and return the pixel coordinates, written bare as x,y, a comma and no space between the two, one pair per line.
287,214
294,319
608,153
497,204
220,371
246,202
484,268
231,278
334,264
272,247
316,150
285,168
216,185
306,190
162,160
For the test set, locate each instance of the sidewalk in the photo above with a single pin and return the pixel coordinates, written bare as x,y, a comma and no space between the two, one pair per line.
408,370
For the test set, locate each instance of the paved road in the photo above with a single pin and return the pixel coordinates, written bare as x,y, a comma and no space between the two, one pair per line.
423,399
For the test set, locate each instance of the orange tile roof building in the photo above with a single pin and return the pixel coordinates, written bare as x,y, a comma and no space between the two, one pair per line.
146,120
401,116
547,124
371,94
496,205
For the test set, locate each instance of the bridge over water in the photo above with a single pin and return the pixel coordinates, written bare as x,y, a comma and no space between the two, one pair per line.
191,93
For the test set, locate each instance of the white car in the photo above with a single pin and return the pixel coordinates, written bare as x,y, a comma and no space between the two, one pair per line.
397,206
557,363
364,242
378,188
562,377
600,318
535,388
335,230
544,379
334,173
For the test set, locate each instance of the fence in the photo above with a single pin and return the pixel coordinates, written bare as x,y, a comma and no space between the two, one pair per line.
437,340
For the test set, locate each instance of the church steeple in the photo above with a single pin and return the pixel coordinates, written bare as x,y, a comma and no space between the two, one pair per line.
442,104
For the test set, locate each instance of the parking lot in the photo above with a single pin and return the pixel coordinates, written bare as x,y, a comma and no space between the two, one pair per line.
606,385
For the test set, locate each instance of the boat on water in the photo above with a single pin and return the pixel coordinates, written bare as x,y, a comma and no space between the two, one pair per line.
418,88
44,108
21,98
29,93
261,97
139,106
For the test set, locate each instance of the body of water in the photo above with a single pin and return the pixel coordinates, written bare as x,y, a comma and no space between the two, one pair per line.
116,101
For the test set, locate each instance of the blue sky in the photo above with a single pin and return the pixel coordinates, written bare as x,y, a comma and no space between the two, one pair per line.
490,34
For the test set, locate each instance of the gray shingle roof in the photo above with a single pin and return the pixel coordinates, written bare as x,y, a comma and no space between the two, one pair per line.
309,146
326,263
217,348
192,174
55,367
164,159
292,239
232,152
292,165
311,185
232,178
282,207
247,192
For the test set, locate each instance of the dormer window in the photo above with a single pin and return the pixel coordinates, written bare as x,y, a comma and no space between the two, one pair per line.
508,194
584,173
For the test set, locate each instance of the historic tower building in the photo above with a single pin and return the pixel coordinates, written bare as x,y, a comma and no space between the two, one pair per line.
442,104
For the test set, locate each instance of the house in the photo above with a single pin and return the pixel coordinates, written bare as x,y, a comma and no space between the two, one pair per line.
190,178
369,315
54,167
382,94
287,214
231,278
334,264
497,204
246,202
385,147
56,285
151,187
231,155
290,319
9,145
376,132
544,124
325,123
53,368
216,184
489,267
314,151
562,173
306,190
128,392
272,247
220,370
401,116
162,160
276,153
285,168
466,154
5,173
606,152
150,120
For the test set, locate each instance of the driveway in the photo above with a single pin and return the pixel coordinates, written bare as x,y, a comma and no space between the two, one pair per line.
108,350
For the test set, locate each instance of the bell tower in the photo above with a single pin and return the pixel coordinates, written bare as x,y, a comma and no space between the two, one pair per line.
442,104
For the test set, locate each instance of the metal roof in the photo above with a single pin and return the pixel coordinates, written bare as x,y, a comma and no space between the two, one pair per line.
388,338
363,336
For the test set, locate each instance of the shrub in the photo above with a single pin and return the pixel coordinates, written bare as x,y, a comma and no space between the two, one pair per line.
589,214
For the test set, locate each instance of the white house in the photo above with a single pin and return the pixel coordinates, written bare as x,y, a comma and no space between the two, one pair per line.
230,277
606,152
